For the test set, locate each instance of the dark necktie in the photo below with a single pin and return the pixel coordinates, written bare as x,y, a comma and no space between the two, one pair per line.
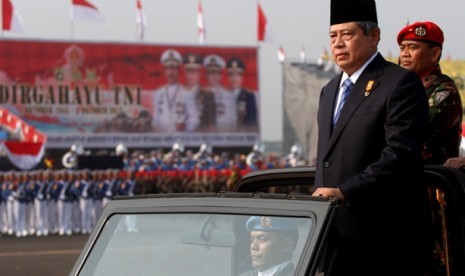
347,87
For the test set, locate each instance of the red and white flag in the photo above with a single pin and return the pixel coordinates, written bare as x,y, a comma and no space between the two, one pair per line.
26,148
141,19
84,10
200,24
264,30
11,19
281,54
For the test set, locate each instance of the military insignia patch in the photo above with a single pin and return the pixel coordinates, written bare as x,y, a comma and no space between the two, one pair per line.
420,31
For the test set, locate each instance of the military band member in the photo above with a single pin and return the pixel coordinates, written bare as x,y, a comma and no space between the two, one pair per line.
205,102
225,100
173,111
246,102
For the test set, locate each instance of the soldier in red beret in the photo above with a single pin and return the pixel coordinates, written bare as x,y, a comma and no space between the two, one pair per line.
420,51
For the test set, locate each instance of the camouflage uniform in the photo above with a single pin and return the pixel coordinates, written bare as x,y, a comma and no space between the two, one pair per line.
445,118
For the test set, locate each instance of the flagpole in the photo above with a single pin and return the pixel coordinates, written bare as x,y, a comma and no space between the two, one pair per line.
1,15
72,21
138,36
260,126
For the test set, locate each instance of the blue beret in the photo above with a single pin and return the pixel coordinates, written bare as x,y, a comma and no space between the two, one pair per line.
271,224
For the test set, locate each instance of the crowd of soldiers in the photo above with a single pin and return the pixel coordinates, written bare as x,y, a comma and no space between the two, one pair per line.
62,202
70,201
204,171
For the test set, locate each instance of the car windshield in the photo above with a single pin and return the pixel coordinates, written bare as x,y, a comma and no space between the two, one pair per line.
197,244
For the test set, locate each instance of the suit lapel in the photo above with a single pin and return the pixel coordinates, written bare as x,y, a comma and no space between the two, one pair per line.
367,82
327,114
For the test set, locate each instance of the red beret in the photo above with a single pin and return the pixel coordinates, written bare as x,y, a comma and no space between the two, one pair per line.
422,31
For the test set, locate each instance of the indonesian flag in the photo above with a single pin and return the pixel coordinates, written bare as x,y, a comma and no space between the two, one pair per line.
84,10
24,155
200,23
141,19
264,31
281,54
11,19
26,148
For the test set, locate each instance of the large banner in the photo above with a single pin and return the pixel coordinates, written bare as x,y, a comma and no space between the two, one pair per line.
142,95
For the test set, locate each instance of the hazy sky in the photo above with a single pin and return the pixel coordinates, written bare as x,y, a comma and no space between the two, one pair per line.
294,23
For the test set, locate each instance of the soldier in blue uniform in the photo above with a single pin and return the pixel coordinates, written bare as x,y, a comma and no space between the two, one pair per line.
53,193
272,241
247,117
64,204
8,196
83,191
98,187
40,204
20,206
32,177
126,188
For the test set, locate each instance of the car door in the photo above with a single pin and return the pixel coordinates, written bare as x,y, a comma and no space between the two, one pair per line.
199,234
447,200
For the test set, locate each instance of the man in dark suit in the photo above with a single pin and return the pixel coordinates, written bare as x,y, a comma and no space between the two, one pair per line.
369,153
272,241
246,103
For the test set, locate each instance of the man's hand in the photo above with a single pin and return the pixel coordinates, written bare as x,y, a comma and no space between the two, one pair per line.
329,192
455,162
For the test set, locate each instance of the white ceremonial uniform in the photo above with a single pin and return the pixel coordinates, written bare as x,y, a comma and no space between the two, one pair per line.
174,111
20,210
85,205
226,109
41,212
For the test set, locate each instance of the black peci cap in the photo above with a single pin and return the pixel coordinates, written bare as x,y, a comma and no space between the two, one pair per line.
343,11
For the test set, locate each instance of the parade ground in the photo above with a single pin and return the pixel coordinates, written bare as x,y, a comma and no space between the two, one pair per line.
52,255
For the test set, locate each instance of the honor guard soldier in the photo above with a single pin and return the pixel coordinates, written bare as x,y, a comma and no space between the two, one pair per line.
21,180
40,204
225,101
420,51
173,111
205,101
246,102
7,195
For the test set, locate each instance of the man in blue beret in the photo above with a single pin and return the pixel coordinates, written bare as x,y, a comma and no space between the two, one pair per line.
272,241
